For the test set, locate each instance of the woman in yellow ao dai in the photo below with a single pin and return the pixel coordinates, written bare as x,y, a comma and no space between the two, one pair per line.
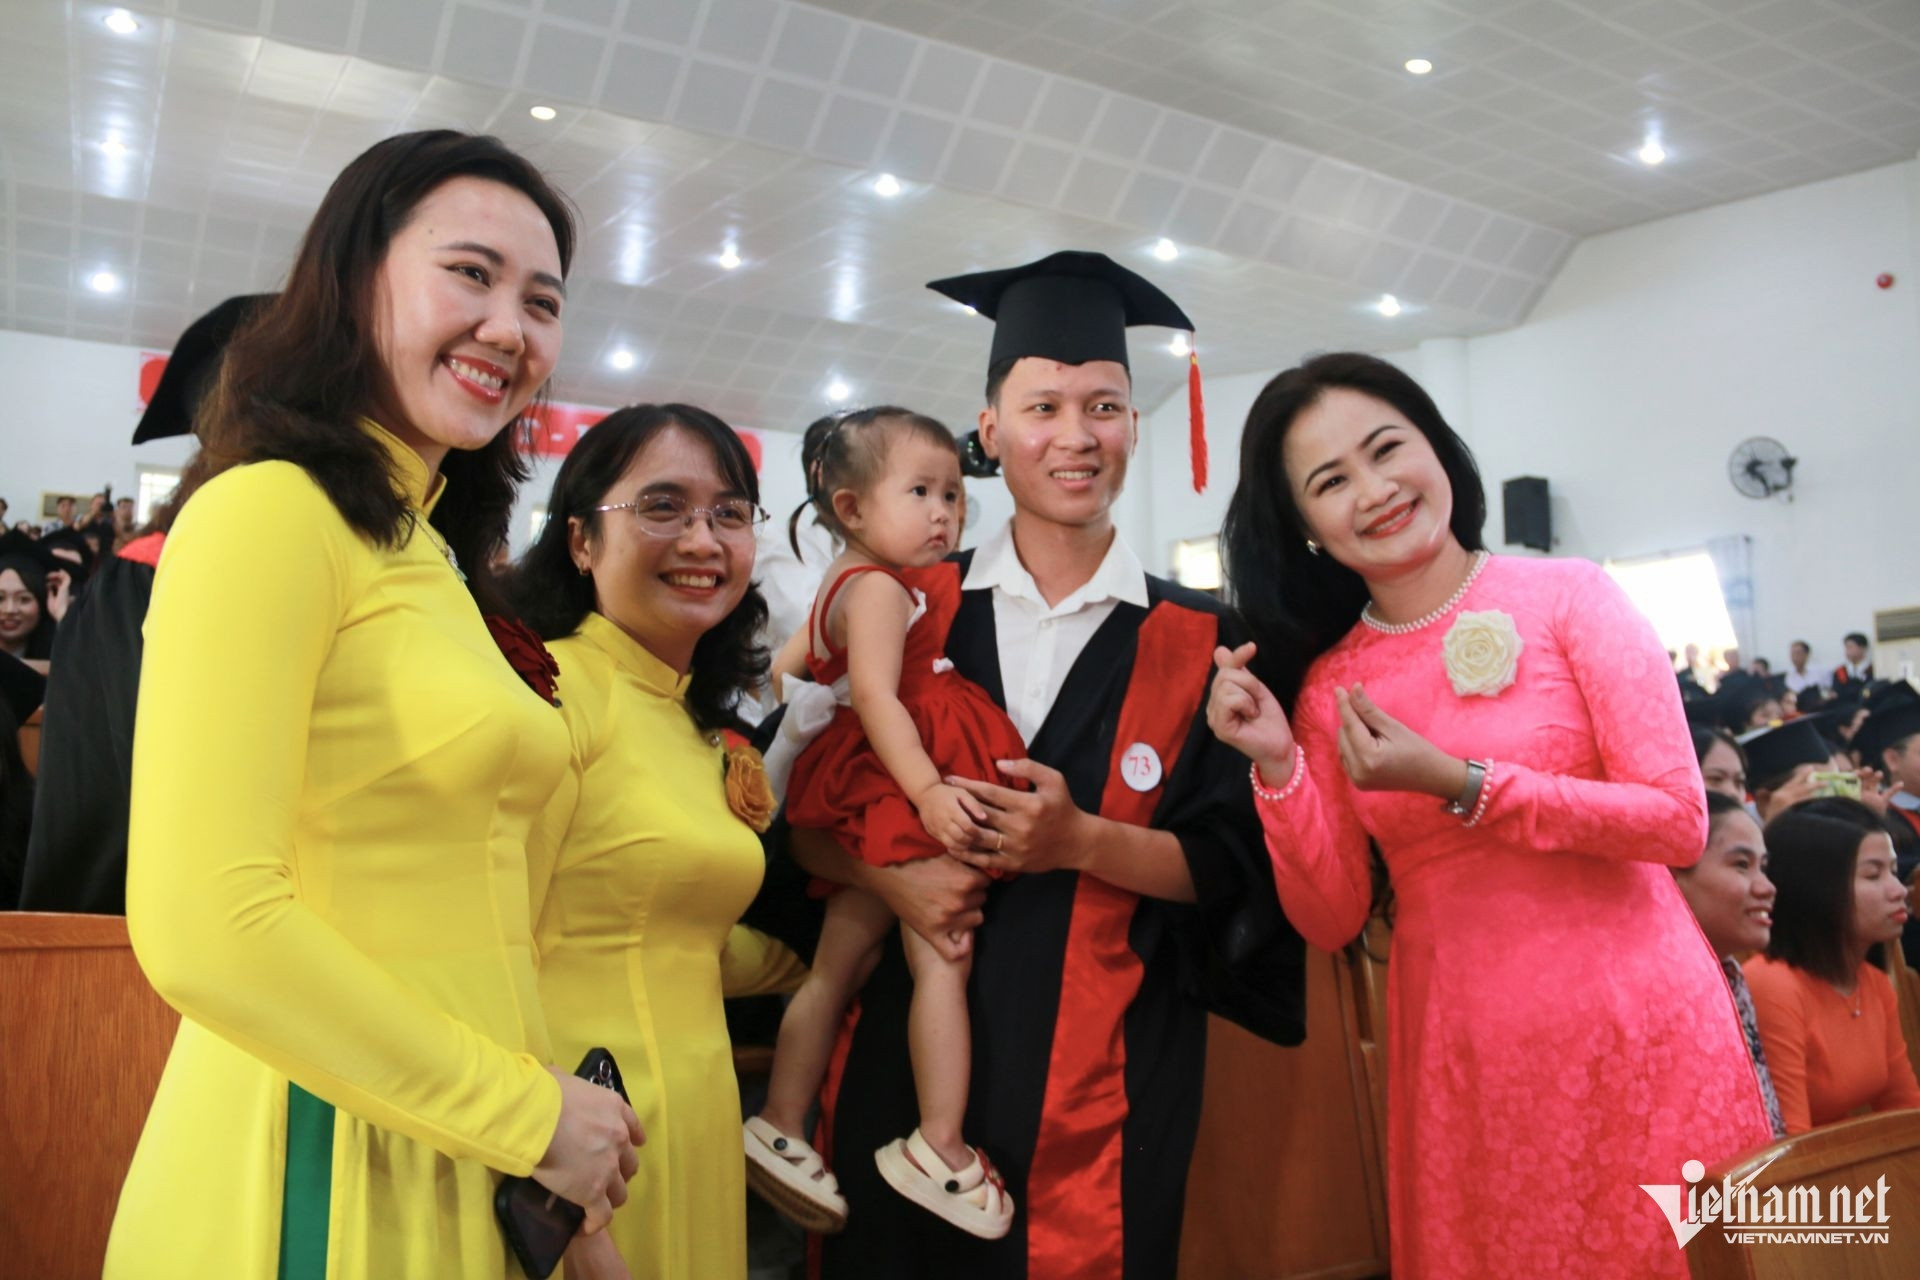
642,867
335,771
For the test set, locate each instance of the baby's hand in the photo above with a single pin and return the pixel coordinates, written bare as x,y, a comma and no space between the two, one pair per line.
944,812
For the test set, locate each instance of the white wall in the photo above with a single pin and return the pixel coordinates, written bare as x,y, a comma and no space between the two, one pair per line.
1161,479
1654,352
73,409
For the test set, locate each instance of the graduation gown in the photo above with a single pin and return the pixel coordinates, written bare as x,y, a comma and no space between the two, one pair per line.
1088,1002
77,855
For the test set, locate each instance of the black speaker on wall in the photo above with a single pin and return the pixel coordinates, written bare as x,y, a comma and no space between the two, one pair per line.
1528,518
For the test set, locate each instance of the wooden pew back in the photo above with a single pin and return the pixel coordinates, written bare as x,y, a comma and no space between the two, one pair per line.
1288,1174
82,1041
1853,1154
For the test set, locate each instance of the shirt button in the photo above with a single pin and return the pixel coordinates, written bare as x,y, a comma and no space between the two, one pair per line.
1045,623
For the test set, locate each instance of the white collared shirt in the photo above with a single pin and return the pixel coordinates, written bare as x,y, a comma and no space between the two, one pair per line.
1798,680
1039,642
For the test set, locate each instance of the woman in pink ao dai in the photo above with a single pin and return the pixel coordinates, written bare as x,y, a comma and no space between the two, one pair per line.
1509,733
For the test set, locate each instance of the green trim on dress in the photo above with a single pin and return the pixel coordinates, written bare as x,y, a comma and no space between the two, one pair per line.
305,1205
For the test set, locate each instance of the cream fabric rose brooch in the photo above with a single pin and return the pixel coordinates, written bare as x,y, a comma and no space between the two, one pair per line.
1482,652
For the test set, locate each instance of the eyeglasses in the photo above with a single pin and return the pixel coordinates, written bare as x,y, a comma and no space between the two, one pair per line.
665,515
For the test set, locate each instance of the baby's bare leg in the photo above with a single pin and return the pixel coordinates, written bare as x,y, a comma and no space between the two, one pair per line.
856,924
940,1038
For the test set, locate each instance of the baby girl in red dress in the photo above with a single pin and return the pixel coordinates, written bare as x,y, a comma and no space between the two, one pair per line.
886,482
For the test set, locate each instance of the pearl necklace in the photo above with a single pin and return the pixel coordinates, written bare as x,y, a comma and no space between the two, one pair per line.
1480,559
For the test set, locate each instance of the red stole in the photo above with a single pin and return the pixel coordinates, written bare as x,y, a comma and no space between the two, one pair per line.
1073,1201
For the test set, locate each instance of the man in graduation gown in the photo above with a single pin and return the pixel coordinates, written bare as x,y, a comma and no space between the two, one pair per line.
1135,891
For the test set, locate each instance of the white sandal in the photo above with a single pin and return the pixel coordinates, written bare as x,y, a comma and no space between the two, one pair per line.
973,1199
791,1176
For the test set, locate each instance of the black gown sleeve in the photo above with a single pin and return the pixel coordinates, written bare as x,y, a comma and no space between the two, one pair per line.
77,854
1245,962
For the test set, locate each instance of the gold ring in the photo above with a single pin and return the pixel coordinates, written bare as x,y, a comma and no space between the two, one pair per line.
1000,841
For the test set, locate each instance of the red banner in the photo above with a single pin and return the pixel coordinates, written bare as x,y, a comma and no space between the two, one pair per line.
551,430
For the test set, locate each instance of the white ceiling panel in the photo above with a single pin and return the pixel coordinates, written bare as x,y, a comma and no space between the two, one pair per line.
1278,142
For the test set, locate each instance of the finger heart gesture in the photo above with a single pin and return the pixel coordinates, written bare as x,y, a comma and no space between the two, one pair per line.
1381,754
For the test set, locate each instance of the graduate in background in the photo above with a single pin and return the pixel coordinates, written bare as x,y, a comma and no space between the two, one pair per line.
1137,895
1889,741
77,856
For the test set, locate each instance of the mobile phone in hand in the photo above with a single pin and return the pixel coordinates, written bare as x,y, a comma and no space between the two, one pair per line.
538,1223
1832,782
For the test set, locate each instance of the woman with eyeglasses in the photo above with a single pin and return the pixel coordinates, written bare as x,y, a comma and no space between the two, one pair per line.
647,856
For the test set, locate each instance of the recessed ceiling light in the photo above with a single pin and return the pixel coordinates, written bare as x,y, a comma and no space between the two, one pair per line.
542,112
103,282
1418,66
621,359
730,258
121,23
838,391
1388,305
1166,250
114,147
887,185
1651,152
1179,345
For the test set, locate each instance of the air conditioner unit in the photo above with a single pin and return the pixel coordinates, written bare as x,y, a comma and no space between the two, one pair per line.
1896,643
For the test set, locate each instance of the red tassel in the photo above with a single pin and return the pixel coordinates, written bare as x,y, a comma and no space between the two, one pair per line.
1196,424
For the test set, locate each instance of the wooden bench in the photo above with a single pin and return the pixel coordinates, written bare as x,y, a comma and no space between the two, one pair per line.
1853,1154
1288,1178
30,740
82,1041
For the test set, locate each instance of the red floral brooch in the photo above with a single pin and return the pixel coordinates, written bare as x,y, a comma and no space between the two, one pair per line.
526,654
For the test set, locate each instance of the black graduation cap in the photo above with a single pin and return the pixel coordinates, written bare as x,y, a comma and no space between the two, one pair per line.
1893,714
1739,698
74,542
1774,753
1703,709
17,545
21,687
1848,694
1075,307
190,369
1829,723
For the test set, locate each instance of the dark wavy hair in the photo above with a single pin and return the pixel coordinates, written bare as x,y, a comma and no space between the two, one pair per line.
1706,737
1812,850
849,451
1719,805
554,597
304,367
1298,604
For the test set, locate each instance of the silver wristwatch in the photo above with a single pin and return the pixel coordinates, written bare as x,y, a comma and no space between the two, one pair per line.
1469,796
